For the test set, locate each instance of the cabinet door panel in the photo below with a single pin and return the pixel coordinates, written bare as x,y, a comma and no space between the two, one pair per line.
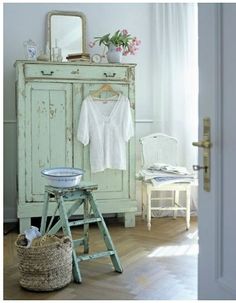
40,143
48,133
112,183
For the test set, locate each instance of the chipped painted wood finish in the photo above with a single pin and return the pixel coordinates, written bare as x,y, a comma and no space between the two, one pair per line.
84,198
48,132
49,98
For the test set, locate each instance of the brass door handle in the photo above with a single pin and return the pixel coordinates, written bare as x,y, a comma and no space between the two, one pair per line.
204,144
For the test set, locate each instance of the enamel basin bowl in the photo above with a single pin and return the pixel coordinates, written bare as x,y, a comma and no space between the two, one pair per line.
63,176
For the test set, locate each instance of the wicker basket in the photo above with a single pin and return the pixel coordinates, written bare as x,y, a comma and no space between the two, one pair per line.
47,264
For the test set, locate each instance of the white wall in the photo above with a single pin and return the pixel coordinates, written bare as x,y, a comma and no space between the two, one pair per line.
23,21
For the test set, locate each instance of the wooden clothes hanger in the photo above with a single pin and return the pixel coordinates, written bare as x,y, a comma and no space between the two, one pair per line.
105,88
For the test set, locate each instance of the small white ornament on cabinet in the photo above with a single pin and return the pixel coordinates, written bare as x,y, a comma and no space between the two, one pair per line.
96,58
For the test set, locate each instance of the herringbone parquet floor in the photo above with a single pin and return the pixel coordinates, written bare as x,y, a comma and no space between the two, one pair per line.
160,264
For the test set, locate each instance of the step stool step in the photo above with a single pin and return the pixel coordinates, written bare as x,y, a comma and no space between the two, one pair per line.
84,221
78,242
95,256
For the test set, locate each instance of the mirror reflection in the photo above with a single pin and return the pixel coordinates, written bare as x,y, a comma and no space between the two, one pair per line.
66,34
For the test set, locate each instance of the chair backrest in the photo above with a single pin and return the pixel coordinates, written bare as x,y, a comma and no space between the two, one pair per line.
159,148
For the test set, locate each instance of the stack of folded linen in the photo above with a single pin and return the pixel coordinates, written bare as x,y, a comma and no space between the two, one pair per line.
161,173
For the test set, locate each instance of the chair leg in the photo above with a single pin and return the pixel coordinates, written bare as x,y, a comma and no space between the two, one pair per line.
188,197
176,202
144,201
149,211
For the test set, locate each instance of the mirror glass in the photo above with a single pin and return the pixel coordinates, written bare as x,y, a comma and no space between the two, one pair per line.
66,32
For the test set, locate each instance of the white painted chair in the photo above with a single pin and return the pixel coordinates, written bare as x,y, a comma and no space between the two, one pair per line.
160,148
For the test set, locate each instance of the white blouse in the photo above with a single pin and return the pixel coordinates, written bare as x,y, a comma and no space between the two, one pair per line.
107,125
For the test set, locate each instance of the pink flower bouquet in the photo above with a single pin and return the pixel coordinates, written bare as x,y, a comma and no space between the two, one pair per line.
121,39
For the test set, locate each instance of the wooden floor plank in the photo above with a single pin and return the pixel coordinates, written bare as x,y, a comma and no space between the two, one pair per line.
160,264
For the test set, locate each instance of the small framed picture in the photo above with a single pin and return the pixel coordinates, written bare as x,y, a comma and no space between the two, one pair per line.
30,50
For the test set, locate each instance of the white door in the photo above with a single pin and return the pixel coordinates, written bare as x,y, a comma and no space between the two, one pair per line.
217,208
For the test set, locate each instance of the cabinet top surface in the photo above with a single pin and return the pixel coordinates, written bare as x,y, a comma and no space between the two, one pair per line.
74,63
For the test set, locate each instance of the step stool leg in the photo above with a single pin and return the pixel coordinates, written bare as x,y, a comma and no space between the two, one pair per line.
106,235
86,227
67,231
45,213
76,270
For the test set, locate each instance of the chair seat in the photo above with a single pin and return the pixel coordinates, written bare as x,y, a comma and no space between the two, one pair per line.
167,187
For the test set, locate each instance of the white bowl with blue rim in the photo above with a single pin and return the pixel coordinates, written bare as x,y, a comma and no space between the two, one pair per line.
63,176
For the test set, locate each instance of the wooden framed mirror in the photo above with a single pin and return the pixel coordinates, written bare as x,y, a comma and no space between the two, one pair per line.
66,32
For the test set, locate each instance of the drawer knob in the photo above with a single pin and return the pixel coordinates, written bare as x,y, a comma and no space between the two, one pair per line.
47,74
75,72
111,75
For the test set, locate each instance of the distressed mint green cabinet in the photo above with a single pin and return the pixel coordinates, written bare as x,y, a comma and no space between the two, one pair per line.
49,98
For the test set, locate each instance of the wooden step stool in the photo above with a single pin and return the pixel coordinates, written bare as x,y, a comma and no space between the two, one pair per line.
82,195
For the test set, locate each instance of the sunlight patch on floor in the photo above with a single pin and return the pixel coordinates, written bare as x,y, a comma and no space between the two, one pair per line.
171,251
193,235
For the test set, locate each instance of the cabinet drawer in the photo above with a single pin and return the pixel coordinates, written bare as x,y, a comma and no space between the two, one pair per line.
63,71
